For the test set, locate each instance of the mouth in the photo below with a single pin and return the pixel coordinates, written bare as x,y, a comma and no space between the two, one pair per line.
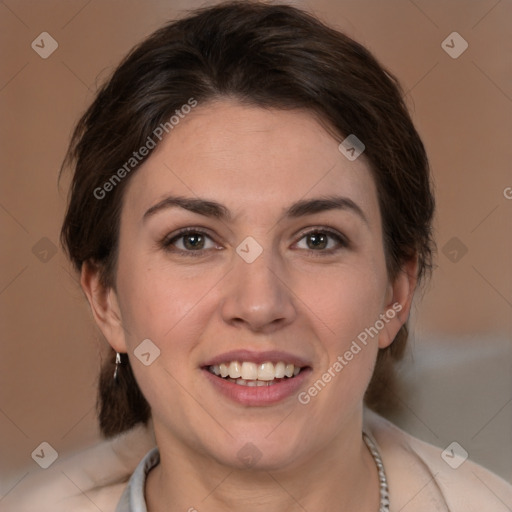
252,378
247,373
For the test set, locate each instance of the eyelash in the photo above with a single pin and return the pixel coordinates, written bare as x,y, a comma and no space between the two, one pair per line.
168,241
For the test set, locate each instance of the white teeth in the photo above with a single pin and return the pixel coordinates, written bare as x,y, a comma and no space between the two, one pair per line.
279,369
235,370
266,371
259,383
224,372
249,371
263,374
254,383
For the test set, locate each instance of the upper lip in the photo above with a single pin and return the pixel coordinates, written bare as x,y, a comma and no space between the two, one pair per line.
273,356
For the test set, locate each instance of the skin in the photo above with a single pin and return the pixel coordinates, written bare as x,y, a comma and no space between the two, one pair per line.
256,162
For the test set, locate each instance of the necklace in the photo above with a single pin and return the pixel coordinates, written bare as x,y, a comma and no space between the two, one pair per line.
384,491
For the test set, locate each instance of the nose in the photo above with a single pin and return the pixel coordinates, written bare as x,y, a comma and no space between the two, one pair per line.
257,295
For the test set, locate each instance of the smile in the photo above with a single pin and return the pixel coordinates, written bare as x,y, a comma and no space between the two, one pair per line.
250,374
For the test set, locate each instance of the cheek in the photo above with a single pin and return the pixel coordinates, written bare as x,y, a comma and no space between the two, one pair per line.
155,301
346,309
345,301
165,308
172,310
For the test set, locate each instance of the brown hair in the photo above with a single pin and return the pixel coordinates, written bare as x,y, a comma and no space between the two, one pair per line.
263,55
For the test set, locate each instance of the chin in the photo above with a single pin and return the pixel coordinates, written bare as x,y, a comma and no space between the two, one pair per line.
258,453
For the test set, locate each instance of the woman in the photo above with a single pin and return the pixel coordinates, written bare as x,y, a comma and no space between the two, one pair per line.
251,214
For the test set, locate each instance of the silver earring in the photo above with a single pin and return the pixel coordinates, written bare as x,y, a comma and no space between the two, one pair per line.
118,362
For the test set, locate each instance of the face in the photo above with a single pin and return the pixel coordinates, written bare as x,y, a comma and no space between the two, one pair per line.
266,273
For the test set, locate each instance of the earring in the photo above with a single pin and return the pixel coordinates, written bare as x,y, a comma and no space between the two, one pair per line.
118,362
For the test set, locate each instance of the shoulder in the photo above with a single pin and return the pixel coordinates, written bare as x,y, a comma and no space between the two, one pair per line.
89,480
422,476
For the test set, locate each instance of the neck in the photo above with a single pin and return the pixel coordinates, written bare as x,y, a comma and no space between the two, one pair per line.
341,476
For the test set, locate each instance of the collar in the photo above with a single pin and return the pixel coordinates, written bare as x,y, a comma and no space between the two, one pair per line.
132,499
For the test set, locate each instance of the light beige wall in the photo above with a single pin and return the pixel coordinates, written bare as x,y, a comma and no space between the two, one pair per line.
462,107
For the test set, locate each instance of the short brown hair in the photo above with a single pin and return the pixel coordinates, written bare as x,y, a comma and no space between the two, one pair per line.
264,55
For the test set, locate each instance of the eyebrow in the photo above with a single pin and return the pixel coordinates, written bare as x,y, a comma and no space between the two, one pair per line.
298,209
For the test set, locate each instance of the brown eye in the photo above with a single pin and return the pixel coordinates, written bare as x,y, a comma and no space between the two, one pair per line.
189,241
322,240
193,241
318,241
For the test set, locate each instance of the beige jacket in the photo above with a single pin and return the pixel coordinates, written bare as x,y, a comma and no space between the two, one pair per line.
419,478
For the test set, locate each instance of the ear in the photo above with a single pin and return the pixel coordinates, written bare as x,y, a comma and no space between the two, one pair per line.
398,302
104,306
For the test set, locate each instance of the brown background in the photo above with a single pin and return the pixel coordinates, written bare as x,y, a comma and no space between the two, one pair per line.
459,366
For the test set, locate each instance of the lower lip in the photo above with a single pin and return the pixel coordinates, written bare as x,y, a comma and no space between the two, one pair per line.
258,395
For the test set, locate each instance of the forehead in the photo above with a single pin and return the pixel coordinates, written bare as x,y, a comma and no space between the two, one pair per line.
249,157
